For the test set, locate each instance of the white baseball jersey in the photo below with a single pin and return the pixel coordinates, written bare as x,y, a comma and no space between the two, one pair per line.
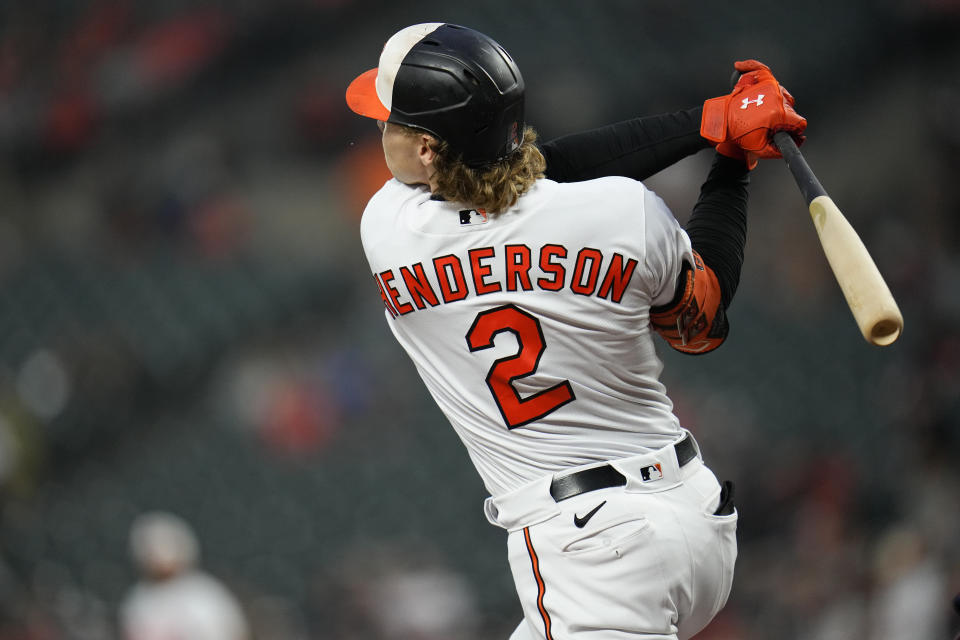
192,605
530,328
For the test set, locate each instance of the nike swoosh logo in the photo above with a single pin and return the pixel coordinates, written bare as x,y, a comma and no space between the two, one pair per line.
580,523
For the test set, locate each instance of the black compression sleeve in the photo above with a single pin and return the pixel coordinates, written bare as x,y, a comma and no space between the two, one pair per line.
636,148
718,224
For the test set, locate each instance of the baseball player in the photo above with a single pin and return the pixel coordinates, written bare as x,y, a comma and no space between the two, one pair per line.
175,598
528,304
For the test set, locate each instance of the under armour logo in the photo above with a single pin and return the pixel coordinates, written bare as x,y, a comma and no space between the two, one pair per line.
747,101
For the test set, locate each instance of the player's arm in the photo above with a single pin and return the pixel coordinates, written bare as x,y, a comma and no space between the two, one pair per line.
718,223
640,147
636,148
695,321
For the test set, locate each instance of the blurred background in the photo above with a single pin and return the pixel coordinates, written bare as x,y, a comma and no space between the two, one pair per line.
188,325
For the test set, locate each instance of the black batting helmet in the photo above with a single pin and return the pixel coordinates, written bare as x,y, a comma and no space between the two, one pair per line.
451,81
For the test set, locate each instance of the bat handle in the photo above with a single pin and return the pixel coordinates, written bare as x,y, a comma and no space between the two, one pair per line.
810,187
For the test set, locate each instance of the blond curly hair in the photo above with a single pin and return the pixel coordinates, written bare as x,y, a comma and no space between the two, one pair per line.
493,188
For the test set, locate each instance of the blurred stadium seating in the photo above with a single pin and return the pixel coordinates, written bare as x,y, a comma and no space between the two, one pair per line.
187,322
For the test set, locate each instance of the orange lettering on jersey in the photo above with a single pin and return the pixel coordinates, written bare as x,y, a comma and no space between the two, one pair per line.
401,307
482,271
594,258
547,253
589,277
453,285
418,286
617,278
517,259
383,296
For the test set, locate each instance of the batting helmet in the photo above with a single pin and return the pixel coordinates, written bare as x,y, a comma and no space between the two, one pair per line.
451,81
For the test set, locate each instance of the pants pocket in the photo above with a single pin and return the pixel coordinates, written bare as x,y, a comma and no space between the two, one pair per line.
725,506
726,528
612,536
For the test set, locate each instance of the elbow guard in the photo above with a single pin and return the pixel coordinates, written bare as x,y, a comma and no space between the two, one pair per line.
695,321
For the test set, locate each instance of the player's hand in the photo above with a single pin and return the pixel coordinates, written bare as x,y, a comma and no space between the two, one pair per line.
742,123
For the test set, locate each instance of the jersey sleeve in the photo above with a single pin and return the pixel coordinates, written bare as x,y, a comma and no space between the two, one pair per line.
666,249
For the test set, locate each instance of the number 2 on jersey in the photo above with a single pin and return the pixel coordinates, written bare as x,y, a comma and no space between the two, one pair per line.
516,411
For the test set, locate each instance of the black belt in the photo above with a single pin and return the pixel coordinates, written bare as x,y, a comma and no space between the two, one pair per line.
605,476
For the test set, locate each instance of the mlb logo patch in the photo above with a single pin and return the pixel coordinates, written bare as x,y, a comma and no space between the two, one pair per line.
652,472
473,216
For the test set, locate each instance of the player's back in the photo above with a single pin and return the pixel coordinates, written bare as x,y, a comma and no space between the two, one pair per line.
530,328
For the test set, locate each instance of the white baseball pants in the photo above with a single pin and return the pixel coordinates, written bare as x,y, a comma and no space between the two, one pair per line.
651,560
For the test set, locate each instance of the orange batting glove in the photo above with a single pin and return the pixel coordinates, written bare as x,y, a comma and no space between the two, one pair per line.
743,122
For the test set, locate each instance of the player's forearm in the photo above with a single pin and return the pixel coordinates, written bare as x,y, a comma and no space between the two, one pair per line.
636,148
718,224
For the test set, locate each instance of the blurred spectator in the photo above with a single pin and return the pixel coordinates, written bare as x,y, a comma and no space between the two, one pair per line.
392,590
175,599
430,603
182,291
910,599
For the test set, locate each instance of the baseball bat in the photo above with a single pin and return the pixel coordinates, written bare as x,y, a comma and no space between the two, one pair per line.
866,291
